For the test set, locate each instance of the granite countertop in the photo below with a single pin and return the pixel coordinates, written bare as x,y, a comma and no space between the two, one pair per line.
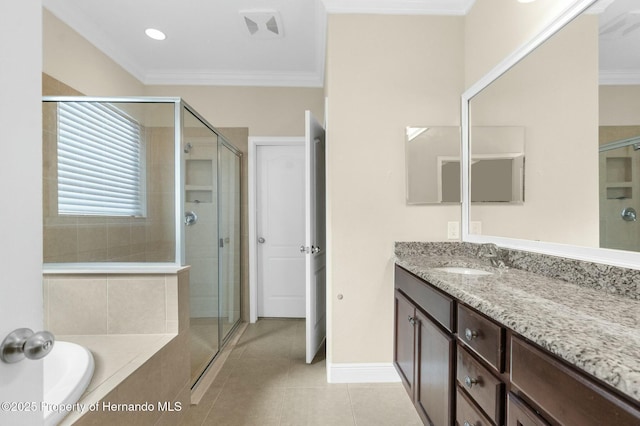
595,331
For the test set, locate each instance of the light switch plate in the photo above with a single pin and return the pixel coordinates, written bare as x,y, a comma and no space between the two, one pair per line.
453,230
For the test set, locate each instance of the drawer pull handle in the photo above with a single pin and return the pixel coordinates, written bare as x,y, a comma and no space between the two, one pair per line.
469,382
470,334
412,321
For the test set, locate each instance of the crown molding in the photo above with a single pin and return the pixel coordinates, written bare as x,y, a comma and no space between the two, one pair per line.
399,7
81,24
619,77
231,78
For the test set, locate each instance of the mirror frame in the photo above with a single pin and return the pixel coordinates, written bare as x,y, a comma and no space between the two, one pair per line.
625,259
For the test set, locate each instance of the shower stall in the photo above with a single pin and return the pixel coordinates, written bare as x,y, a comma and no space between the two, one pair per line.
619,187
147,181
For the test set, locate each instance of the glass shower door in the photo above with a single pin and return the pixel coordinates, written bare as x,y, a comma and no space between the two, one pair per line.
229,243
619,189
200,146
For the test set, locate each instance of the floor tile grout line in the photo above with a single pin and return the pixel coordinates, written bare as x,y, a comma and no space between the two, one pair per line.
206,416
353,411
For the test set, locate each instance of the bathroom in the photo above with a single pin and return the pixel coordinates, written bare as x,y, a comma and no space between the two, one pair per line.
361,89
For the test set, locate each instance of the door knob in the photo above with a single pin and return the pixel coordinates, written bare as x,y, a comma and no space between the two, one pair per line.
24,343
304,249
315,249
261,240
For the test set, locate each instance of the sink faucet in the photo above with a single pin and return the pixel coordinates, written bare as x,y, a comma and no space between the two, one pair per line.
490,251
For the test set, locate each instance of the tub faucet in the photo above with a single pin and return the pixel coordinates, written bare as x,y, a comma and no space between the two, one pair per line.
490,251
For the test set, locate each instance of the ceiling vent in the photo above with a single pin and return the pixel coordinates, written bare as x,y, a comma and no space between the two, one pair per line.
262,23
621,25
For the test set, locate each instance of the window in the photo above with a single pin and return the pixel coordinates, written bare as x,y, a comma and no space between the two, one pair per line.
100,168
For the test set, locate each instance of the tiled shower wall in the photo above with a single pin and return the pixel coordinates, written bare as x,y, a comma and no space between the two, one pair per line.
122,230
110,239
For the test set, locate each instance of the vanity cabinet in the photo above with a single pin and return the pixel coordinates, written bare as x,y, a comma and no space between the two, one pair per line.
424,348
563,394
480,360
462,368
518,414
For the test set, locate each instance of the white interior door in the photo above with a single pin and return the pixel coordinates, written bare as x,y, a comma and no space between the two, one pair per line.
21,209
315,236
280,193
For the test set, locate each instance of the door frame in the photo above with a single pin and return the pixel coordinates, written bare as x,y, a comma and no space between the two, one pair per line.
254,143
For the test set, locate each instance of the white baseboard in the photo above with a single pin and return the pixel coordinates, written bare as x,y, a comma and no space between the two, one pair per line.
362,373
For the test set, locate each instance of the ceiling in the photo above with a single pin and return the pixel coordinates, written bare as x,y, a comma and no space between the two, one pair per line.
276,42
211,43
619,48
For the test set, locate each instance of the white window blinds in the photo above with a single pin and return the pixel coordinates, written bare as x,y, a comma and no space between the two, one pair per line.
99,161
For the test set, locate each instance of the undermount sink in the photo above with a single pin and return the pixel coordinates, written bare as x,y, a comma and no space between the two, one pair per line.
462,270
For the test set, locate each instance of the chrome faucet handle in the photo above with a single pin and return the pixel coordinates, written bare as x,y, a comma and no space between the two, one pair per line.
488,250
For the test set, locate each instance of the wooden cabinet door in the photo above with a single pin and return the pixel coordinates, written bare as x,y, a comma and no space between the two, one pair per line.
518,414
404,341
435,376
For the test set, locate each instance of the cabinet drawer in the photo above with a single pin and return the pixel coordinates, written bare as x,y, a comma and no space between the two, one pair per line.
467,414
430,300
485,389
482,336
518,414
566,395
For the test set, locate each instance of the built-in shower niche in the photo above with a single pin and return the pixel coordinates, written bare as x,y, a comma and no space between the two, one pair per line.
619,183
200,170
199,184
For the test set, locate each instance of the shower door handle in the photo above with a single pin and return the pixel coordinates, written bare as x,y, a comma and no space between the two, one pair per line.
629,214
190,218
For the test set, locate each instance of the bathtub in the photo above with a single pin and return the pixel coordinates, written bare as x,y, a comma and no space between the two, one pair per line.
67,373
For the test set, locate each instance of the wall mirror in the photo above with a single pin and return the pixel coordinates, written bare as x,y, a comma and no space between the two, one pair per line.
433,164
497,164
575,90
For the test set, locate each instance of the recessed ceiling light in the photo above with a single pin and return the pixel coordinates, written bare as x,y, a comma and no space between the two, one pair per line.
155,34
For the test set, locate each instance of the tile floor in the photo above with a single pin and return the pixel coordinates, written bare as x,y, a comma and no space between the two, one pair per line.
265,381
204,342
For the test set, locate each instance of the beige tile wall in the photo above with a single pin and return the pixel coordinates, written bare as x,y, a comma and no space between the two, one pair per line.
116,303
164,377
110,239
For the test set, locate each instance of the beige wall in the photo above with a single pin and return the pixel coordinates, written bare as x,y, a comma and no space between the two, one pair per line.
266,111
495,28
619,105
407,70
70,58
553,93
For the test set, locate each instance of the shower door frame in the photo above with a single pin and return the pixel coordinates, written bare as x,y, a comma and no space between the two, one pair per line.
180,188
